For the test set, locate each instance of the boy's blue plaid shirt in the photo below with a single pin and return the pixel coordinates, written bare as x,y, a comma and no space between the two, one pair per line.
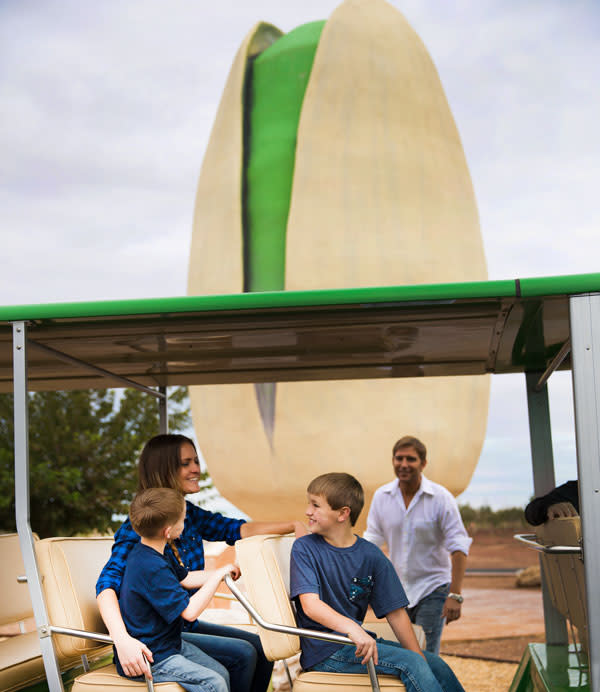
199,525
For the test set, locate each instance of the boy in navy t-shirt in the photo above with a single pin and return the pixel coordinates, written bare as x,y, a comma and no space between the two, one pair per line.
335,576
154,596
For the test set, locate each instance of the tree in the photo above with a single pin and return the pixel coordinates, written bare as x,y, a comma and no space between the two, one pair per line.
83,448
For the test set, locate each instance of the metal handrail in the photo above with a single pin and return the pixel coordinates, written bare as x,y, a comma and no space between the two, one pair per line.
530,540
298,631
96,636
226,596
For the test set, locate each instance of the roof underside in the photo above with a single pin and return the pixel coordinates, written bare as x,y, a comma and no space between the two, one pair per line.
418,331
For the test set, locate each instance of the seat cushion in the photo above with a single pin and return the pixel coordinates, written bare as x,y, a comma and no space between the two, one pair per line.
107,678
265,564
69,568
313,681
565,575
20,662
15,601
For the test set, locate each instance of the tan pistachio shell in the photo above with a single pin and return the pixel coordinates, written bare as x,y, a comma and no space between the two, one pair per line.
381,196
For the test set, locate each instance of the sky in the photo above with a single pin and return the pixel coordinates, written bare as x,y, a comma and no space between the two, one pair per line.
106,109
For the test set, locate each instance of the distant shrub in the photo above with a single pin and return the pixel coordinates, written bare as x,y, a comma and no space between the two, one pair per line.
486,518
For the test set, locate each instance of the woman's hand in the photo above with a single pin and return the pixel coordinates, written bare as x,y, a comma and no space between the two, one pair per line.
300,529
131,654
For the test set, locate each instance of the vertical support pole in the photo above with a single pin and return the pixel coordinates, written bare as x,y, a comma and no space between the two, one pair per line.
163,413
22,505
540,436
585,353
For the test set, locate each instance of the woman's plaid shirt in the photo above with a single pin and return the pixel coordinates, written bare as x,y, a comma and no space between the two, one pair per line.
199,525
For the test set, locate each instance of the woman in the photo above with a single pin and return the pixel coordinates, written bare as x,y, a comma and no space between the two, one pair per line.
171,461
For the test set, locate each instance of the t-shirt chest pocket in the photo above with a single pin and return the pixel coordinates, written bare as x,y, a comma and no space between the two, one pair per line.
360,589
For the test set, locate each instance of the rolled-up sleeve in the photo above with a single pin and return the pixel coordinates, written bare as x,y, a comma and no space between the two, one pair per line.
374,530
453,529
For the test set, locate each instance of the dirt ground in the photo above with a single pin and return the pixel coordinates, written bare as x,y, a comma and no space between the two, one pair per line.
497,549
482,664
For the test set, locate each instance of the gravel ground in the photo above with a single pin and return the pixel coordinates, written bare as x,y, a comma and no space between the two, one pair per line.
478,675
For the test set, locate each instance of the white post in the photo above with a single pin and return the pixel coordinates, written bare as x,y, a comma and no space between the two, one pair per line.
22,512
585,340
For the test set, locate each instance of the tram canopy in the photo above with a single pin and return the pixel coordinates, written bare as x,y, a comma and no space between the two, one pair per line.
398,331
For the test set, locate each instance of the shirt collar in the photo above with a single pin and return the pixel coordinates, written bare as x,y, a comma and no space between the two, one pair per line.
426,487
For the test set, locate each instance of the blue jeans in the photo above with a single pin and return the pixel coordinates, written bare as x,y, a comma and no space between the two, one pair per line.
418,675
194,670
428,614
239,651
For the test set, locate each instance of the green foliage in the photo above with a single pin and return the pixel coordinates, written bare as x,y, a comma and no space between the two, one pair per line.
487,518
83,448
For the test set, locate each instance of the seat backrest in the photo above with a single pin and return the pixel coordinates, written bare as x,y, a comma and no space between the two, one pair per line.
265,565
565,573
69,568
15,601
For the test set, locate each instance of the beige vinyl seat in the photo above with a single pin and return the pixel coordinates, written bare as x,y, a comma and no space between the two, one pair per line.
565,573
69,568
265,565
21,662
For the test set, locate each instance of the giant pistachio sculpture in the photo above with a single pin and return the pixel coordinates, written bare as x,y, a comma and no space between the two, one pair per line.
334,161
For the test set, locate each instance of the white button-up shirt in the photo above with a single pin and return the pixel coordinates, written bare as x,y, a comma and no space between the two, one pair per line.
420,537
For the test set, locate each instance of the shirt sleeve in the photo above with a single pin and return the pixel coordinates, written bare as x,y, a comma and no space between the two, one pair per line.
388,593
112,572
374,531
536,511
455,535
303,576
212,526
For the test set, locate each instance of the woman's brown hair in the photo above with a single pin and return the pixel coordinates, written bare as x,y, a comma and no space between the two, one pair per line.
159,462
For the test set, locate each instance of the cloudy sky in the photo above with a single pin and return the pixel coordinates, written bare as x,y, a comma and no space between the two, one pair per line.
106,109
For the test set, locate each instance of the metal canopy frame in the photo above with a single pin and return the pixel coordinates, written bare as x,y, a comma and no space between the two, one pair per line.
406,331
532,326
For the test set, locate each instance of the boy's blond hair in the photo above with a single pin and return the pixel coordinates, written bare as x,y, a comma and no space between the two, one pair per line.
340,490
154,509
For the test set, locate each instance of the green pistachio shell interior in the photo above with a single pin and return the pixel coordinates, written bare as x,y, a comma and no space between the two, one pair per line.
274,91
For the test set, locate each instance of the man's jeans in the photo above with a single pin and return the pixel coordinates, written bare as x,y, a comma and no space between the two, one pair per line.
418,675
194,670
428,614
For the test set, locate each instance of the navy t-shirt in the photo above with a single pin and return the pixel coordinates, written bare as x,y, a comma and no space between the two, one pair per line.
346,579
152,600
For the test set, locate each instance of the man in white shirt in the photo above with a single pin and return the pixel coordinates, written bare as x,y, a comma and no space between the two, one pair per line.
426,538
